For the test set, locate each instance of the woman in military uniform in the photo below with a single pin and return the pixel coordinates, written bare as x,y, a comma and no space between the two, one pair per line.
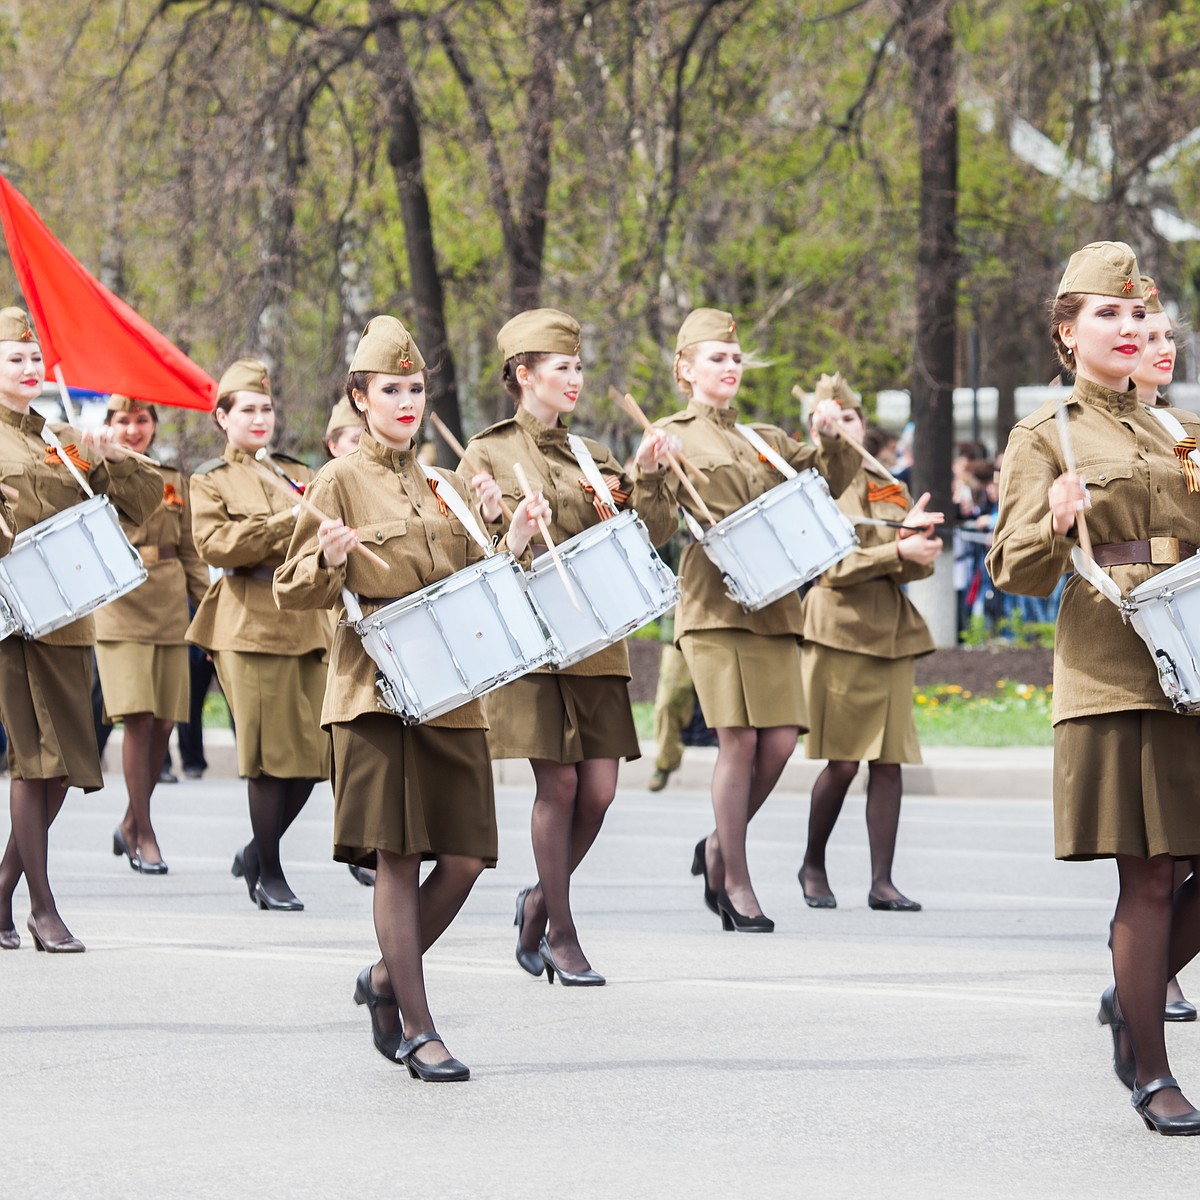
1125,765
574,724
862,635
272,675
745,665
141,652
46,685
1153,373
402,793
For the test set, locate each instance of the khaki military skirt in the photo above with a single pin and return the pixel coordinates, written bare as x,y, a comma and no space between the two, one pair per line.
746,680
411,789
276,704
860,708
136,678
1127,783
562,718
46,710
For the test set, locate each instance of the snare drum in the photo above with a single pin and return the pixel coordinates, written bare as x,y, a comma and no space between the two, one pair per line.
1165,610
783,539
455,640
64,567
620,581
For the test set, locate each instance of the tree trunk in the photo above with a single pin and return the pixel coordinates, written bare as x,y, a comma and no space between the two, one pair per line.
929,46
405,160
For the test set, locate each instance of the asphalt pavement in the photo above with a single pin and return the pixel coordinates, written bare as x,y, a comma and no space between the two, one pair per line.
201,1048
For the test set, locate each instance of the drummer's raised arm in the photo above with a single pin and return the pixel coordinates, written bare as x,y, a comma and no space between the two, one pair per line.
1027,556
135,489
833,456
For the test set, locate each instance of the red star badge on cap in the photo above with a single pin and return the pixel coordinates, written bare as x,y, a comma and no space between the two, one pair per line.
406,362
1127,287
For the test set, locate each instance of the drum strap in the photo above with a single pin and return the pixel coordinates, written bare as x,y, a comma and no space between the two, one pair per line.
1185,447
587,464
448,495
51,439
767,451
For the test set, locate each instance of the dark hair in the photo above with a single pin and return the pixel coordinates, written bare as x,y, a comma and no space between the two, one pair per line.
357,381
508,373
1063,311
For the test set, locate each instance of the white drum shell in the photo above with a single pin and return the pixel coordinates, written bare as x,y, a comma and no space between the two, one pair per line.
455,640
780,541
63,568
1165,611
620,581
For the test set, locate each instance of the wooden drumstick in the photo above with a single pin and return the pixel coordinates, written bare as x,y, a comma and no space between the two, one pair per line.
1063,419
457,446
867,457
304,502
5,529
629,405
10,493
523,480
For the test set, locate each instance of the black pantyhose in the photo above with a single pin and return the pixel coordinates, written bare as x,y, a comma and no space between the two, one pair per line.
143,751
749,763
33,805
274,804
568,812
1145,941
410,916
883,822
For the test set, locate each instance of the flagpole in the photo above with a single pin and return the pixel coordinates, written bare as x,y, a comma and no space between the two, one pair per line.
64,393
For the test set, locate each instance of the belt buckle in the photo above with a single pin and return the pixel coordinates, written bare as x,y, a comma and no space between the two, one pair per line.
1164,551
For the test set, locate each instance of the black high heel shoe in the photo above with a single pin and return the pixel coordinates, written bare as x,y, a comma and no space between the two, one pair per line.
264,899
239,870
364,993
1125,1069
363,875
121,846
897,904
588,978
734,921
69,945
529,960
450,1071
700,867
10,939
1185,1125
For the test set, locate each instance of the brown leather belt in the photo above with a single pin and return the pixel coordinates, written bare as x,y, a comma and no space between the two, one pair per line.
1160,551
156,554
267,573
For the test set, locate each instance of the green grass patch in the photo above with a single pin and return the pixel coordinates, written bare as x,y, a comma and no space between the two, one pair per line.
216,711
1015,714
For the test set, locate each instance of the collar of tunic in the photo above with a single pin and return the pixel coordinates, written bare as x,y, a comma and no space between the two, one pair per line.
1118,403
30,422
376,451
726,418
543,435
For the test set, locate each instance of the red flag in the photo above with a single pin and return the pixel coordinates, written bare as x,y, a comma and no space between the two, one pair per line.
96,338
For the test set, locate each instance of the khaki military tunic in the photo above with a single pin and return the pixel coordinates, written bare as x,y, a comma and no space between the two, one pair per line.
581,711
552,469
1125,765
737,477
141,652
861,634
45,685
745,665
271,667
423,789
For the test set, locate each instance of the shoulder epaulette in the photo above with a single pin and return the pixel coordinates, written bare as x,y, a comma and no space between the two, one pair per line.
213,463
498,425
